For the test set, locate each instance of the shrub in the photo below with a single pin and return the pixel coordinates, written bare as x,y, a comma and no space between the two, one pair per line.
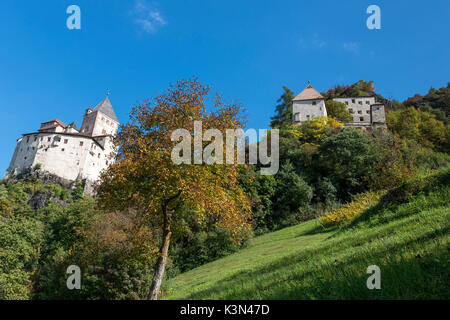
351,210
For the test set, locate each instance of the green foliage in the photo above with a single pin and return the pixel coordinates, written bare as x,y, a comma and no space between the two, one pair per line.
204,247
349,158
78,191
420,126
338,111
358,89
436,99
292,192
316,130
283,111
261,190
20,243
408,240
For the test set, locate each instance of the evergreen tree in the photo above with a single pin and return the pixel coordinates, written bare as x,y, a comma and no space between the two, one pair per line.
283,111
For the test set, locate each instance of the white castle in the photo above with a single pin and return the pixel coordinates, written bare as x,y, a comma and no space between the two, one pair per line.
67,152
365,110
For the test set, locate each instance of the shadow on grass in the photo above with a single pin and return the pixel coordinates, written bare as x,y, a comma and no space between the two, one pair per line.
403,278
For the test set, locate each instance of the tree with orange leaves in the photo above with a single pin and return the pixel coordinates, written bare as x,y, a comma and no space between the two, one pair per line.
146,179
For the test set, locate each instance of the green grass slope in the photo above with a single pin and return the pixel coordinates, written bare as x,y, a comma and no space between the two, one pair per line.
406,234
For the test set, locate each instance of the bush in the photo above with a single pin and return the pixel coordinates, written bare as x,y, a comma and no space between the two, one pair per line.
351,210
349,159
206,246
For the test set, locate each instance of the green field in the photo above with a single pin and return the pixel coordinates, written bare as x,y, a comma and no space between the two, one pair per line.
406,234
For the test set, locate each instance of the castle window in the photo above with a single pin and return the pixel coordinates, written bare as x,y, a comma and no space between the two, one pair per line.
25,158
350,110
367,102
42,138
353,100
313,103
81,143
62,149
65,141
48,139
307,116
367,111
28,139
360,102
35,138
359,112
361,118
346,102
99,155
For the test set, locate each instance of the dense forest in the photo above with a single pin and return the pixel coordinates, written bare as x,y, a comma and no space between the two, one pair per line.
44,227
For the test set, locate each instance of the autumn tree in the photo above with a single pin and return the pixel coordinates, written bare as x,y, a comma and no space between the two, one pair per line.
146,180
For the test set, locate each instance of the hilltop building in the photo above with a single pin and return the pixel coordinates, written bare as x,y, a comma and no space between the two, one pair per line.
367,113
66,152
308,104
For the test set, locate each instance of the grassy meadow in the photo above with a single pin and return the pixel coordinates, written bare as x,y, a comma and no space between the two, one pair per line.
405,233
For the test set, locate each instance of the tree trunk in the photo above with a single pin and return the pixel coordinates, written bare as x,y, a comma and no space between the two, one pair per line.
162,260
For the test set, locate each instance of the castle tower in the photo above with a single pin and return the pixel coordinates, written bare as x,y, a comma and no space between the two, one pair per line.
308,105
63,152
100,121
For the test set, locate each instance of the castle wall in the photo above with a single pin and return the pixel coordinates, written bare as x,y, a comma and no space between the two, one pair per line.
70,157
98,159
98,124
360,107
304,110
24,153
378,114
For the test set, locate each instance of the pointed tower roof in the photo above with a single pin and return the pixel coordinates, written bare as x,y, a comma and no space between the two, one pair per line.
106,108
309,93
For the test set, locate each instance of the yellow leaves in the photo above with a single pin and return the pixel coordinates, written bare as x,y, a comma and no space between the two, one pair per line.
351,210
314,131
144,176
5,208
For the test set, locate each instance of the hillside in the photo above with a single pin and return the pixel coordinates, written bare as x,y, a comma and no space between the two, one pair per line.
405,234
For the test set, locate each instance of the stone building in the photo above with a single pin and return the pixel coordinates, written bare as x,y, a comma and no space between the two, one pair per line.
308,104
366,111
66,152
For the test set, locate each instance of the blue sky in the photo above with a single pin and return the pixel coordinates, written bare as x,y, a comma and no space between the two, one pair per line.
247,50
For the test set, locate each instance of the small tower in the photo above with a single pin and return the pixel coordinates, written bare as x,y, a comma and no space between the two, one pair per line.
101,120
308,105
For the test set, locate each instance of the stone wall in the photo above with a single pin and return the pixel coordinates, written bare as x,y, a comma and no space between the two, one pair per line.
305,110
